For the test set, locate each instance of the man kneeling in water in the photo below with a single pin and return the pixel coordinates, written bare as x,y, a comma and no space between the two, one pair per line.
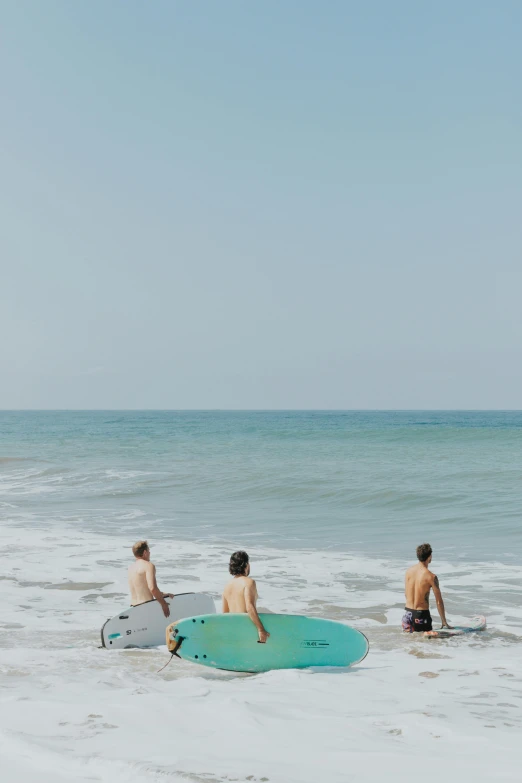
142,579
419,581
240,594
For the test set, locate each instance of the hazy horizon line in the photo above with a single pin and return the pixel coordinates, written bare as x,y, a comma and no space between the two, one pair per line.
260,410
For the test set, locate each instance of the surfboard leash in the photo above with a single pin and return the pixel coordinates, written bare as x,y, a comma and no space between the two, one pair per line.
173,652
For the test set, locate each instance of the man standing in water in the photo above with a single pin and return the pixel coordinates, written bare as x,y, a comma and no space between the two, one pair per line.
240,594
142,579
419,581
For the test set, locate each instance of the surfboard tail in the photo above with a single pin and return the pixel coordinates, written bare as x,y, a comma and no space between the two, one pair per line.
101,632
171,636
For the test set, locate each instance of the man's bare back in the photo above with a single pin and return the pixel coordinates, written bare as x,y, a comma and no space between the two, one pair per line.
240,594
234,594
418,584
142,579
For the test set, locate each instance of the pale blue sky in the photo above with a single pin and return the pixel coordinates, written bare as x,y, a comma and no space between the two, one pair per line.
281,204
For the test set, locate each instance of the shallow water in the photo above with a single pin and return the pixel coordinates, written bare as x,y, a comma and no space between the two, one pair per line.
330,517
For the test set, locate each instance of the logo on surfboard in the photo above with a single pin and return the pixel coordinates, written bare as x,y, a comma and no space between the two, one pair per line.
315,643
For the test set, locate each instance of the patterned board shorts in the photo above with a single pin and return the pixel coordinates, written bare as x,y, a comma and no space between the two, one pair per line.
416,620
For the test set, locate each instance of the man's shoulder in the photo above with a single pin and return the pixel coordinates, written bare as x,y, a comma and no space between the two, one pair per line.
141,566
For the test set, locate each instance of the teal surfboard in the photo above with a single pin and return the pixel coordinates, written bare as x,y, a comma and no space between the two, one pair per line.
230,641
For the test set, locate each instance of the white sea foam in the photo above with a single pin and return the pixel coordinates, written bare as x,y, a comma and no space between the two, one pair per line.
72,711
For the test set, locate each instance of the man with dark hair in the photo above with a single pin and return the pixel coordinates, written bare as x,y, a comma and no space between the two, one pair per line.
142,579
240,594
419,581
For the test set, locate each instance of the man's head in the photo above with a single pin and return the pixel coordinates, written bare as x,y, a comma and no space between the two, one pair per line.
141,550
424,553
239,564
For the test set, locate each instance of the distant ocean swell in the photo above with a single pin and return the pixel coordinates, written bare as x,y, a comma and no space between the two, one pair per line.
319,479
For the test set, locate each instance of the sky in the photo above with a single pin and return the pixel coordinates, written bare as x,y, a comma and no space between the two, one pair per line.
273,205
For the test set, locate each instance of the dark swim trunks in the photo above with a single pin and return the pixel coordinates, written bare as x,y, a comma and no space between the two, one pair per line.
415,620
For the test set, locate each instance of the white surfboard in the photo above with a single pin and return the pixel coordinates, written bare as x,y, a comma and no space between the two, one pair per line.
476,624
145,625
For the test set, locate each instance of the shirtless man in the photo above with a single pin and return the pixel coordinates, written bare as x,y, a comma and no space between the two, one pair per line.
142,579
418,583
240,594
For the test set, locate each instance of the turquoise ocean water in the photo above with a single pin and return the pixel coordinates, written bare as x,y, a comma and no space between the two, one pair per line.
369,482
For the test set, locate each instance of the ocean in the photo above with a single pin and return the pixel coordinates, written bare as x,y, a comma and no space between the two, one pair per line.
330,507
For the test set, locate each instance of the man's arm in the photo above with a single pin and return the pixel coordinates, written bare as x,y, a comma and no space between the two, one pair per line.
250,602
154,589
226,608
440,603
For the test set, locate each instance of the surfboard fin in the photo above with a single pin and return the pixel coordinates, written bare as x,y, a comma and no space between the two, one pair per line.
177,646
